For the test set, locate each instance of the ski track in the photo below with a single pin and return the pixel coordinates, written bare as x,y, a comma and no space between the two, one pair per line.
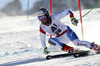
18,34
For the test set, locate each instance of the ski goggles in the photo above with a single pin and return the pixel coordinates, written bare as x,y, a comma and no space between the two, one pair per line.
42,18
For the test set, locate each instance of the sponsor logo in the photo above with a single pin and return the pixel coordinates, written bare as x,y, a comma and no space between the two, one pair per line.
81,44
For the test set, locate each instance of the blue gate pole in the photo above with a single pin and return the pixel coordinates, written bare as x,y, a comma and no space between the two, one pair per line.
27,9
48,5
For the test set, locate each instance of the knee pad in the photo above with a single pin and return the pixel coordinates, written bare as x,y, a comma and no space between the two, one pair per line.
51,42
56,42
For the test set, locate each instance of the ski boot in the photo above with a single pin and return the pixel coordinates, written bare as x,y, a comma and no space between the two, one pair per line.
69,49
95,47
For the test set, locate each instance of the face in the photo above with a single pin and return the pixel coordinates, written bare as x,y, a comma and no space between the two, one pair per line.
43,19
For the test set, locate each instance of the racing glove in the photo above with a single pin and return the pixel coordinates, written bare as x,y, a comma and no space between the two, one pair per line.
46,51
74,21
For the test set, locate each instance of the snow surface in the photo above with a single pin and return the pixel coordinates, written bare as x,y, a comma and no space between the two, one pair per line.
20,42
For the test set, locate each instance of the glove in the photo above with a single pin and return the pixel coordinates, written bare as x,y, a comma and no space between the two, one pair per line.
74,21
46,51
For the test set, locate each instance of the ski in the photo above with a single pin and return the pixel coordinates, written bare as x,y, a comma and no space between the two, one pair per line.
75,54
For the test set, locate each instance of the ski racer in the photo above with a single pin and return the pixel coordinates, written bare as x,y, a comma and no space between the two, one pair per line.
63,33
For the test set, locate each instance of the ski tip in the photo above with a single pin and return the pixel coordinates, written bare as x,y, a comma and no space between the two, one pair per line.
48,57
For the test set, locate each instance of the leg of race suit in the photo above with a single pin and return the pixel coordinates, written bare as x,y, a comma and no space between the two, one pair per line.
57,44
73,37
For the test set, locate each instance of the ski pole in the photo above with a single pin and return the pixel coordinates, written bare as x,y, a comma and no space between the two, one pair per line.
89,11
54,51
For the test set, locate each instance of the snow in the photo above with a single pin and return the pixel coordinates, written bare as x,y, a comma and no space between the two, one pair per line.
20,42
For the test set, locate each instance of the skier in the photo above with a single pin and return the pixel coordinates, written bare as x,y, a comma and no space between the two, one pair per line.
63,33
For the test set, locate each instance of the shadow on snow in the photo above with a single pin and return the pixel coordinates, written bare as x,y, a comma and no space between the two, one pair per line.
23,62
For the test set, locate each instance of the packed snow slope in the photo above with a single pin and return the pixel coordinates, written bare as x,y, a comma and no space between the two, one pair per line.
20,42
